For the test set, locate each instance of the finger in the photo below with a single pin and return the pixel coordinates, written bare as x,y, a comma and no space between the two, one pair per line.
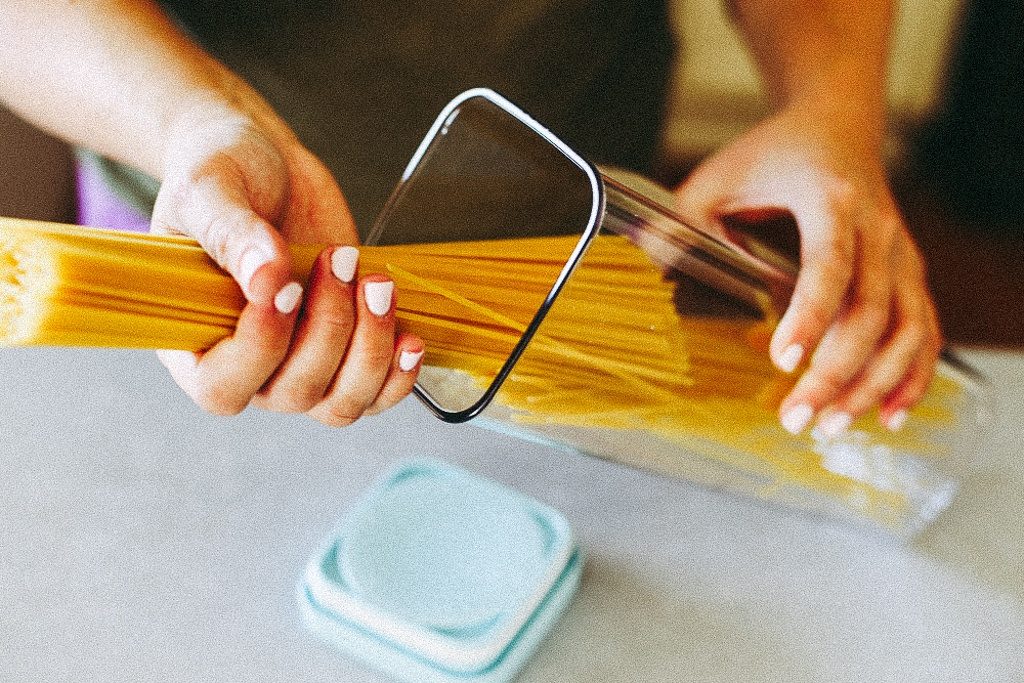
368,360
317,212
224,379
217,213
909,392
912,388
851,343
827,248
700,197
912,333
405,368
321,338
881,375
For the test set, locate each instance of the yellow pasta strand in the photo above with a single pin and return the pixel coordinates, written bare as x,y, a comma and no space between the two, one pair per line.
614,352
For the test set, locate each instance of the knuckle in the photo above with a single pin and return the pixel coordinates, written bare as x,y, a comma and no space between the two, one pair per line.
380,356
341,412
858,403
816,315
837,251
832,377
269,348
297,397
878,385
918,385
338,319
334,419
914,266
917,389
871,315
833,278
221,233
180,191
216,399
841,193
888,220
915,333
375,355
389,397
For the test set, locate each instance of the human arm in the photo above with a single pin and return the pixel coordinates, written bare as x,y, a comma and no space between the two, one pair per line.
861,312
118,77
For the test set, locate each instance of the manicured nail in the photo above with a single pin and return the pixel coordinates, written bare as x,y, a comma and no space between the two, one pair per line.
287,299
791,357
835,425
897,420
378,297
343,263
407,360
252,260
796,419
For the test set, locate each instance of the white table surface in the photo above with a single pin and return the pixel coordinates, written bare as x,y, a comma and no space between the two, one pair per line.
143,540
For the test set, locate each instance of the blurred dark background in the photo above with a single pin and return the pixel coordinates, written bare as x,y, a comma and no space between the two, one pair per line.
36,179
958,163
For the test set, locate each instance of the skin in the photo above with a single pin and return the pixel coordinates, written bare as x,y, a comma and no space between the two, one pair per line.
861,321
116,76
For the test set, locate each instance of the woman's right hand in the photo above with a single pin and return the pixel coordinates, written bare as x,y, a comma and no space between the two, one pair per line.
119,77
237,180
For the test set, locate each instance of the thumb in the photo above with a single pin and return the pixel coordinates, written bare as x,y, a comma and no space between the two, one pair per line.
826,254
232,233
705,197
699,197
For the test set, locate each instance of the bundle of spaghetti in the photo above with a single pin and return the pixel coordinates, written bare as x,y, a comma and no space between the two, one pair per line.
613,353
471,301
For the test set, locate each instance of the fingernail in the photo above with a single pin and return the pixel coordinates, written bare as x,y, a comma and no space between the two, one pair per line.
378,297
796,419
407,360
791,357
834,425
252,260
897,420
343,263
287,299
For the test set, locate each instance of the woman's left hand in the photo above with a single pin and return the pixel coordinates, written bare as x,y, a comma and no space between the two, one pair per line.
861,311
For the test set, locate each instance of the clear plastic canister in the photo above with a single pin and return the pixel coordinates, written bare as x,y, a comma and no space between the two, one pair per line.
712,418
572,305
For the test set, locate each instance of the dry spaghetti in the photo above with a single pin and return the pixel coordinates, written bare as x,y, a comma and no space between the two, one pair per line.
614,352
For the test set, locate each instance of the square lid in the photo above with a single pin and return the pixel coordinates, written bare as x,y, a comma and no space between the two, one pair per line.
441,563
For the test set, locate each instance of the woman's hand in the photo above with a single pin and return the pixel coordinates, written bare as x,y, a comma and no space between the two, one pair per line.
237,180
861,313
119,77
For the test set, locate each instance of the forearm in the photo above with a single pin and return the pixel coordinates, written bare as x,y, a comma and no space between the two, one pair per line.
829,56
110,75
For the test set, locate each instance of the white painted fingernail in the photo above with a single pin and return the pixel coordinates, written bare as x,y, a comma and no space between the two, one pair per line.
343,263
253,259
378,297
835,425
791,357
796,419
897,420
287,299
407,360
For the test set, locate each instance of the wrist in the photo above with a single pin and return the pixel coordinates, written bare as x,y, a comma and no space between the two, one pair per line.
855,122
215,117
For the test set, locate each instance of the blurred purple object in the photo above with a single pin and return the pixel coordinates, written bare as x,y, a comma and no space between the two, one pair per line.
100,207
